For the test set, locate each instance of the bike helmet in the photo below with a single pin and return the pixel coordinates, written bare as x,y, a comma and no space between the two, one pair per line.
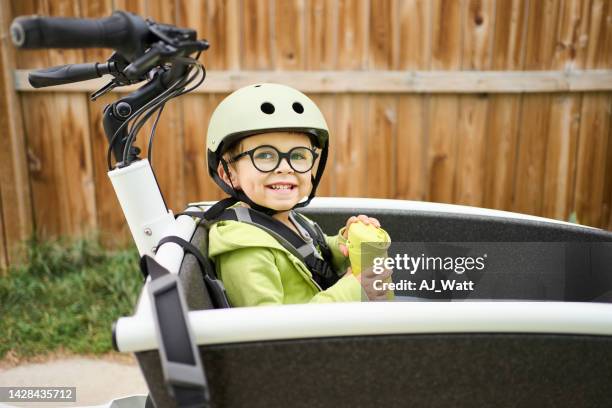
263,108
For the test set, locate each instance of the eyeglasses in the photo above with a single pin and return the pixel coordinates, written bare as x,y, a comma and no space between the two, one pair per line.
268,158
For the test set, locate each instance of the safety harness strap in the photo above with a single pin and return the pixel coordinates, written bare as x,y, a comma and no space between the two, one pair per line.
322,273
183,371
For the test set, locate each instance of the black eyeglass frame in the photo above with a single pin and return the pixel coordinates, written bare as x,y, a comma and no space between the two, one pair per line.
281,156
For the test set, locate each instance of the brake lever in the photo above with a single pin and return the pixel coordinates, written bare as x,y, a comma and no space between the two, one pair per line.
154,56
104,90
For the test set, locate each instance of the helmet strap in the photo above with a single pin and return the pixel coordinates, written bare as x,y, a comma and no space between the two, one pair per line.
316,180
227,171
239,195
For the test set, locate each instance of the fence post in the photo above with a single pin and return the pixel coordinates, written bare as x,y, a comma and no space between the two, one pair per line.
15,197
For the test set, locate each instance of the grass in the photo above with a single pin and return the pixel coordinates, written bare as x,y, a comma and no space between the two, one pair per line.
66,298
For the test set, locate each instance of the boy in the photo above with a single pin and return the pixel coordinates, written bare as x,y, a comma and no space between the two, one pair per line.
267,146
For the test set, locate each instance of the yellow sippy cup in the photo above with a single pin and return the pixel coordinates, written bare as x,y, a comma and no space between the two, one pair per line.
366,242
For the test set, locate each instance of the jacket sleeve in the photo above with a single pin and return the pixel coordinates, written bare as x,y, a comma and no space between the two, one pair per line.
347,289
250,277
339,261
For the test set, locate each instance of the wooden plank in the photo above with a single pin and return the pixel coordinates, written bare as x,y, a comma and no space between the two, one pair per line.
289,34
383,35
533,139
380,146
442,82
322,35
349,169
352,34
535,118
471,150
414,34
502,135
572,37
217,21
478,34
592,154
510,33
73,152
327,105
73,172
600,35
133,6
165,11
443,110
446,35
411,152
478,30
36,109
114,231
197,111
256,35
414,44
15,199
504,113
442,123
541,33
561,149
41,131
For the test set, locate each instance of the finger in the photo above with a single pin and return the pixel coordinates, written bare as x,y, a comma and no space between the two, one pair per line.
350,221
375,222
363,218
376,294
382,296
368,273
343,249
386,274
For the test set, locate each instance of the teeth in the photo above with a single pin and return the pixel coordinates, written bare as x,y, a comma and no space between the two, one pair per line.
281,187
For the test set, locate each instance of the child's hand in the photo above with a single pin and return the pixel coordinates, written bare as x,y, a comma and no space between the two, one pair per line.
367,279
360,218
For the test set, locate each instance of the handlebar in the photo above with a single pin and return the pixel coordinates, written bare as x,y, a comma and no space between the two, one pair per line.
122,31
145,51
65,74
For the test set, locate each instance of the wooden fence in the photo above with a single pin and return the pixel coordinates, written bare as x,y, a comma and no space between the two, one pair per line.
494,103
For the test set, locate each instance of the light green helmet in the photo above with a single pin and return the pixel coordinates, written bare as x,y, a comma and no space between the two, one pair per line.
262,108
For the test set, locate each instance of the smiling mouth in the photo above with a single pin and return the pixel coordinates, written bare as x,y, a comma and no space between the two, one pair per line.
281,187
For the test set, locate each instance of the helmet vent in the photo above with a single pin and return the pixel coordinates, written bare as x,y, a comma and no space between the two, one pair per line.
298,107
267,108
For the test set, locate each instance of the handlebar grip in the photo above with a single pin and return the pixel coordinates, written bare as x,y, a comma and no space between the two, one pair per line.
121,31
64,74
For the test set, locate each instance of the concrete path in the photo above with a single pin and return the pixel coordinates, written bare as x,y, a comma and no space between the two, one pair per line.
97,381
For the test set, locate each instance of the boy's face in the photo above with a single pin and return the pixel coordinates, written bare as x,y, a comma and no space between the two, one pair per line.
258,186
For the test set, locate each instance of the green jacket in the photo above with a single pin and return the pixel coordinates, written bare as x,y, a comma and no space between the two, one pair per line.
257,270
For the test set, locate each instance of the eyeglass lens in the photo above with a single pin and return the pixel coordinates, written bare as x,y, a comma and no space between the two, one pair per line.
267,158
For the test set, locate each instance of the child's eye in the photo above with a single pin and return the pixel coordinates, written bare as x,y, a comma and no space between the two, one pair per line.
266,155
298,156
